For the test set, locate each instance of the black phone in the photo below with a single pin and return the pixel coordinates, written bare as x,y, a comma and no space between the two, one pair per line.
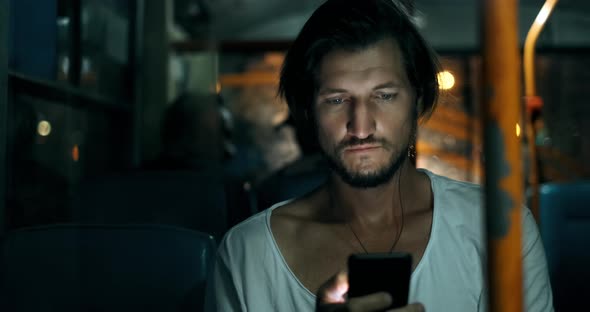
377,272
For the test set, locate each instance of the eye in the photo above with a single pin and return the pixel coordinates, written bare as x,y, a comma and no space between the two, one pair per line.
335,101
387,96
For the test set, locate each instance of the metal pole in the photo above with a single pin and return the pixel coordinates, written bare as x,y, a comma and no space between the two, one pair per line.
529,46
75,14
136,23
4,17
502,148
532,100
153,75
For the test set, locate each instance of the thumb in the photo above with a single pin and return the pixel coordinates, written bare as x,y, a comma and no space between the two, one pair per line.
334,290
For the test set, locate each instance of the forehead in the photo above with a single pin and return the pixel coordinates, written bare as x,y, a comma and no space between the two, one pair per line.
383,58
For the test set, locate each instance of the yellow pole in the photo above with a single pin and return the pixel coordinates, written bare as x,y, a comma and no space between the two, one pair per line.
532,100
529,46
503,167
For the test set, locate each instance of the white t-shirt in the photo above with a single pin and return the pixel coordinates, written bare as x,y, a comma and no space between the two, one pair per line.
252,275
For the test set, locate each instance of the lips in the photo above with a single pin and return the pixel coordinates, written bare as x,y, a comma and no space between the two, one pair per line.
361,148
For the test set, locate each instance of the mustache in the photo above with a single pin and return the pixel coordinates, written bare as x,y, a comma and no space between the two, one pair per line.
354,141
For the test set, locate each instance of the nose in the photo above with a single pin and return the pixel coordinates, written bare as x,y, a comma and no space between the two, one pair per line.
361,121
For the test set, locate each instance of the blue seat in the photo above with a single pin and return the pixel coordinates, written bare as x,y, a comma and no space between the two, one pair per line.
105,268
565,229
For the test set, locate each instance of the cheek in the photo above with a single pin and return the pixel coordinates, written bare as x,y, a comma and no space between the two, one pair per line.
329,130
394,121
323,137
393,125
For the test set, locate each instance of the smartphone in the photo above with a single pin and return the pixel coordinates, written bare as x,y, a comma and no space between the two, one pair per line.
377,272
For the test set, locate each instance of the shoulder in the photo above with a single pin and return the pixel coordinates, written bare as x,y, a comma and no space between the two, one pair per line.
300,209
457,191
247,236
295,221
459,204
288,219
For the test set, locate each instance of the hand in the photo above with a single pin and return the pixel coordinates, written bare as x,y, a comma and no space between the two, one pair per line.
330,298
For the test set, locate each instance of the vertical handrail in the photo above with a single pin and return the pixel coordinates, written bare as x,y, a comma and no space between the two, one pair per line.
136,36
153,75
4,18
532,100
503,168
75,52
529,46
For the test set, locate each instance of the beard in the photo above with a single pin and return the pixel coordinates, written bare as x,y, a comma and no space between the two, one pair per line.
367,179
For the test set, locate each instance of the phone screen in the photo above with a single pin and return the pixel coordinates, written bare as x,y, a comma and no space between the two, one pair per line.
389,272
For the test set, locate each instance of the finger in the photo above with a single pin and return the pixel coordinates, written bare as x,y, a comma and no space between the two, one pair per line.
414,307
334,289
377,301
332,307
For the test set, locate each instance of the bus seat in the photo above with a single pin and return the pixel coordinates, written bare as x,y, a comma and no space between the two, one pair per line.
194,200
105,268
565,228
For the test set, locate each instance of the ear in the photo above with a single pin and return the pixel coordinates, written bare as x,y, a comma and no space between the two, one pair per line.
419,105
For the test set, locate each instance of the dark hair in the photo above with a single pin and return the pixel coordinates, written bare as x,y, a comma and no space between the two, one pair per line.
354,25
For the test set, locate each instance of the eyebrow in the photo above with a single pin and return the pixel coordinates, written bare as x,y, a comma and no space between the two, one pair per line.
331,90
336,90
386,85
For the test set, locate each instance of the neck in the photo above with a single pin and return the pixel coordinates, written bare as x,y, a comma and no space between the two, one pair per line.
378,206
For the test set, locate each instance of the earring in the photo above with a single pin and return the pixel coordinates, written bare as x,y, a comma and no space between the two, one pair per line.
412,147
412,151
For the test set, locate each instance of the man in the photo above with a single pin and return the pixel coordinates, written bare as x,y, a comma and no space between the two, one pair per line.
359,76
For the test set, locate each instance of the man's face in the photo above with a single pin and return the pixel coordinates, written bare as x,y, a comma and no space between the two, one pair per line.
365,113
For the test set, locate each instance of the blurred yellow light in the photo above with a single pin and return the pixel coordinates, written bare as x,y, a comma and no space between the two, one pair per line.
44,128
218,88
517,130
446,80
75,153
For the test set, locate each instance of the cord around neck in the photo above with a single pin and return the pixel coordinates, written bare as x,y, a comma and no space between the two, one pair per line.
401,227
